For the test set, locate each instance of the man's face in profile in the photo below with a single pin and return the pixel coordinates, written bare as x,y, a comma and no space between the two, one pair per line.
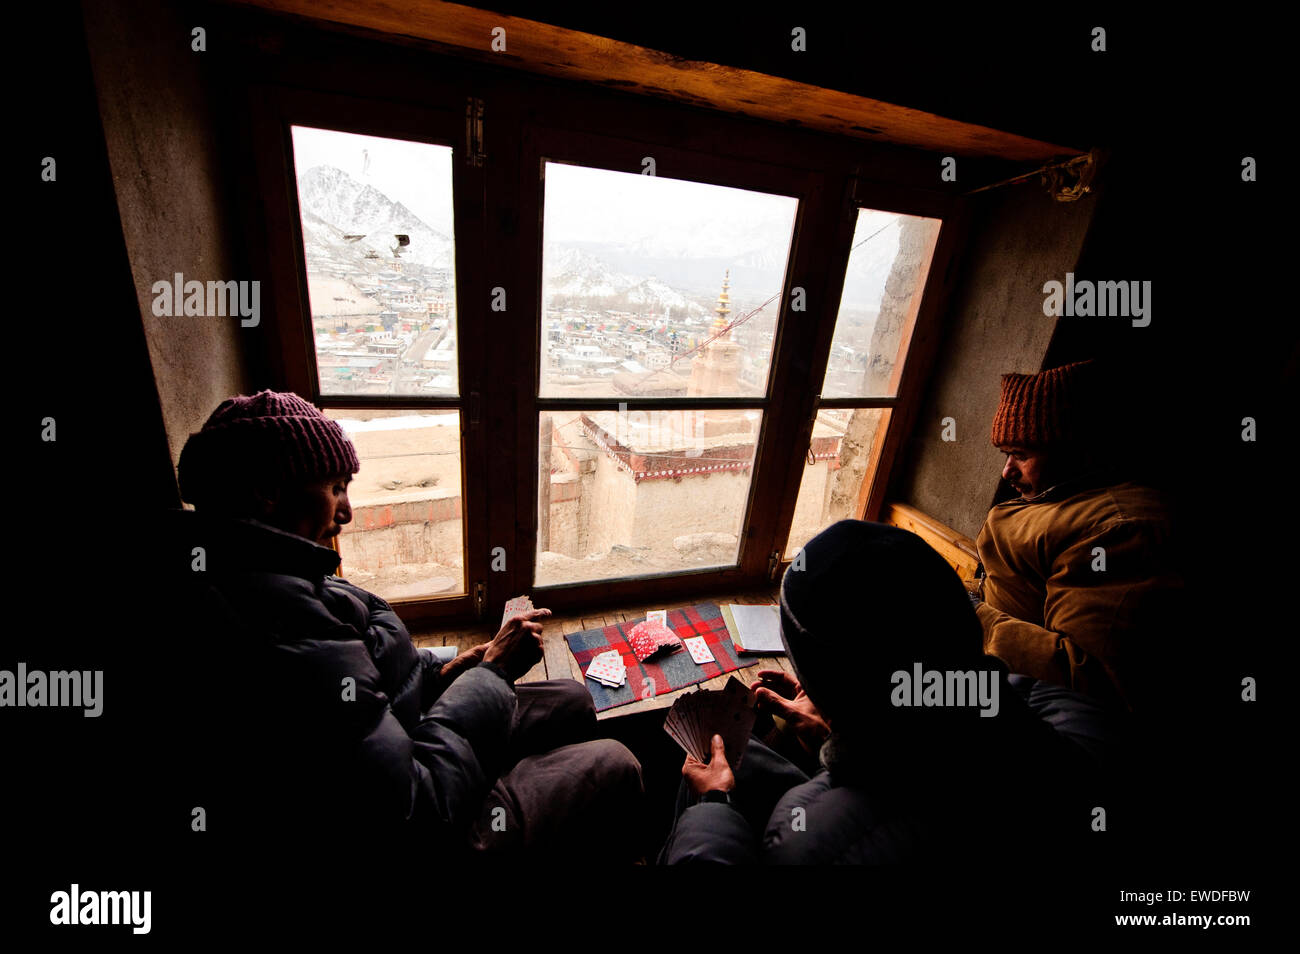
1024,469
317,510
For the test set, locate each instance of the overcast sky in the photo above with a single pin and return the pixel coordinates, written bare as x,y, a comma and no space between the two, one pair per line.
596,205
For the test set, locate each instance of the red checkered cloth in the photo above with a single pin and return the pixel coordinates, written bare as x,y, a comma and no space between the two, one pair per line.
663,673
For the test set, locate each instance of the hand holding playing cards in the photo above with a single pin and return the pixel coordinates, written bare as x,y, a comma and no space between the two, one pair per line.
779,693
518,646
715,776
466,660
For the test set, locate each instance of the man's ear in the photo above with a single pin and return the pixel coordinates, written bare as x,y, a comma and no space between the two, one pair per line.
266,497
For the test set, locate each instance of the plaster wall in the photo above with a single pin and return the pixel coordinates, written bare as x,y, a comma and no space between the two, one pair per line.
1020,239
162,143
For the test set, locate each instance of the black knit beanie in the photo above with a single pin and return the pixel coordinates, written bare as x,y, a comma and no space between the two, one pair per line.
870,600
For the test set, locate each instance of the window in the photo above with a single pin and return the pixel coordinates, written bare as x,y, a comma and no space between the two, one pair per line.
887,267
588,379
377,237
664,289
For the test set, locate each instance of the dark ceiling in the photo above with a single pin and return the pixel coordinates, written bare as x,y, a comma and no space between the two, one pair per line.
1027,73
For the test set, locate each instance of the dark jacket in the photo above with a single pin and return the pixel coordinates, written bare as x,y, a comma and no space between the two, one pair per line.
1031,779
312,711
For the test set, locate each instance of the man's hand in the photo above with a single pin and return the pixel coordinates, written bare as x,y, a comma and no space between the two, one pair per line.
715,776
779,693
518,646
778,681
466,660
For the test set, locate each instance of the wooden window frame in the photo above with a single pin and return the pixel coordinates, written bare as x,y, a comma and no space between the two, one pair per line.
277,110
498,209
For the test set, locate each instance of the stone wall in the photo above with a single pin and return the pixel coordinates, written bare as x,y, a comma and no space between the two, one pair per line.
405,549
613,508
668,509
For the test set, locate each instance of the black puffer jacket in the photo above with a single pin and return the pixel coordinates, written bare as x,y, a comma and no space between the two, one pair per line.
313,711
1030,781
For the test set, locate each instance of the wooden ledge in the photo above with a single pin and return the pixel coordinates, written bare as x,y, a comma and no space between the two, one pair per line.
558,663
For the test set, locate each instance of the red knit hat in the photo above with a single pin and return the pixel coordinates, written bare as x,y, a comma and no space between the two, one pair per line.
271,435
1038,410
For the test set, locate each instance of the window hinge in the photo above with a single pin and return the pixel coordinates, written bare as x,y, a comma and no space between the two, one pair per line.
773,564
480,599
474,154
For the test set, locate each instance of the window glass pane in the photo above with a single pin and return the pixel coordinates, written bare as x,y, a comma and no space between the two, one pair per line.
845,447
377,240
883,284
405,538
635,493
641,274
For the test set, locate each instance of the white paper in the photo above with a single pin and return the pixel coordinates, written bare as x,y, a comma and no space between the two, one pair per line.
759,627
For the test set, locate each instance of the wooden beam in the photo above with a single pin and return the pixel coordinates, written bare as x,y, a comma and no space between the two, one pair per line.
573,55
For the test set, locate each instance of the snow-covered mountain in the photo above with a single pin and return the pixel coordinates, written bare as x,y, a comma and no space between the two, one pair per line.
572,272
569,272
624,277
334,205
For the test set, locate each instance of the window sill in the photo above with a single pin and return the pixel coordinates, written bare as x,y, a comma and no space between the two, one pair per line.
558,663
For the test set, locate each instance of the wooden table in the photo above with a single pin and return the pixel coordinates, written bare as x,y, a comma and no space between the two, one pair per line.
558,663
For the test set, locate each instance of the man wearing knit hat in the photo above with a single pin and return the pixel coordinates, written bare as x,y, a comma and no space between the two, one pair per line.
1079,581
322,719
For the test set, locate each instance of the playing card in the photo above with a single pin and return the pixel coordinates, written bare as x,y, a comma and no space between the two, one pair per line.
699,649
734,717
520,604
673,726
608,668
691,724
697,716
657,616
685,733
607,665
650,639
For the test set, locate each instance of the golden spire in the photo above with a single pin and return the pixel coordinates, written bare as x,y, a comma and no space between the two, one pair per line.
723,309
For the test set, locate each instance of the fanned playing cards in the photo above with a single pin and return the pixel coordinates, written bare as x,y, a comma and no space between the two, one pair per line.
652,638
697,717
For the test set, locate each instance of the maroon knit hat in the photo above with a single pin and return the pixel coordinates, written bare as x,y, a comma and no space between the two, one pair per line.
1039,410
271,435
